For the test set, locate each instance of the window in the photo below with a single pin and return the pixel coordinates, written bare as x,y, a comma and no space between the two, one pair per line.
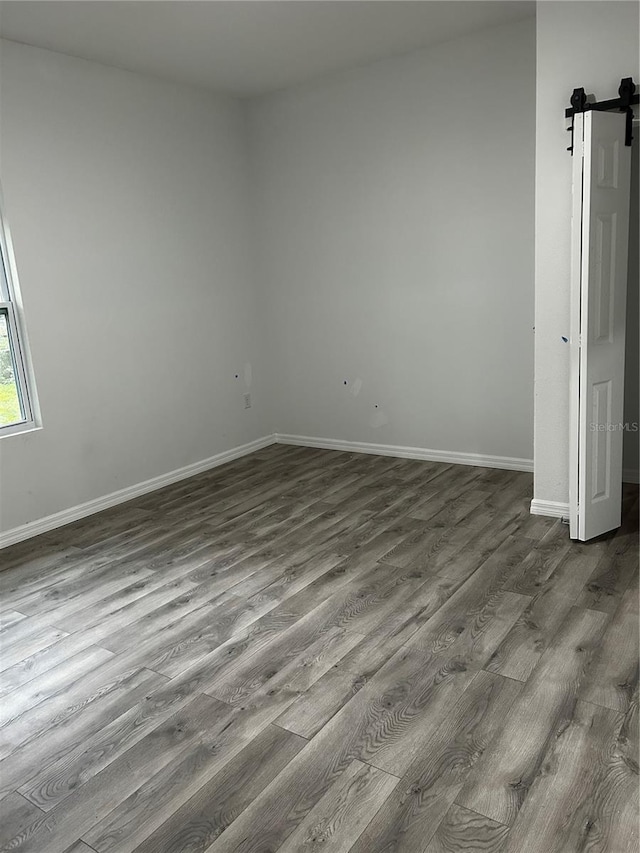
17,397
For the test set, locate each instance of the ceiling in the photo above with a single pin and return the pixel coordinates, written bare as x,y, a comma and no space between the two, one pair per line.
250,47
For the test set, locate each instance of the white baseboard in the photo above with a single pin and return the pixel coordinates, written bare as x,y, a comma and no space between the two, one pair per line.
557,509
552,509
75,513
455,457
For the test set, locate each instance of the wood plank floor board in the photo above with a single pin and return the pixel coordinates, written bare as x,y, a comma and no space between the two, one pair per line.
201,819
60,778
588,794
541,562
347,488
256,561
195,636
96,631
158,626
393,504
467,550
612,677
258,650
226,627
306,650
298,672
523,647
535,527
327,528
500,781
57,739
358,607
149,538
461,480
398,709
371,532
92,802
484,632
571,571
79,847
411,815
33,748
465,831
81,745
286,575
356,732
79,575
242,510
420,547
384,724
420,475
629,739
277,618
230,496
68,672
461,508
9,618
469,613
16,813
311,711
19,648
19,582
186,545
106,686
143,533
311,531
127,605
611,577
262,525
112,521
363,496
339,817
226,481
34,558
331,645
21,629
143,536
144,811
243,500
112,593
509,493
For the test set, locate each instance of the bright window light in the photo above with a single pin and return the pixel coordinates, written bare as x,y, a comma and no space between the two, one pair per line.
17,393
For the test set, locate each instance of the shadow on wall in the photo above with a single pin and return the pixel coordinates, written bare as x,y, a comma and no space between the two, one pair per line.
631,452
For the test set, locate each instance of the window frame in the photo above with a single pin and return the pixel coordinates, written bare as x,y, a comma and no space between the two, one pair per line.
11,307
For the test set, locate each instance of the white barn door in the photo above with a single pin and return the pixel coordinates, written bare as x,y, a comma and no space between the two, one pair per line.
600,234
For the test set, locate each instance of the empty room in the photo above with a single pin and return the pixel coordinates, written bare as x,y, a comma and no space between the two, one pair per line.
319,426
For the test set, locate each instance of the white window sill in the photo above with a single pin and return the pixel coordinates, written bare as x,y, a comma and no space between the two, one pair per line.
19,429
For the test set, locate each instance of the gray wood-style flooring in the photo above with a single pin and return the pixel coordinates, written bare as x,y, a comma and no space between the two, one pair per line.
308,650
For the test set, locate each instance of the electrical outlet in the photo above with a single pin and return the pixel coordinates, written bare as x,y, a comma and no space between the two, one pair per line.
247,401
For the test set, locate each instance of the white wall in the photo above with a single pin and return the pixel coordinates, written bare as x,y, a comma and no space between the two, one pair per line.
381,232
590,44
631,445
396,204
128,201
